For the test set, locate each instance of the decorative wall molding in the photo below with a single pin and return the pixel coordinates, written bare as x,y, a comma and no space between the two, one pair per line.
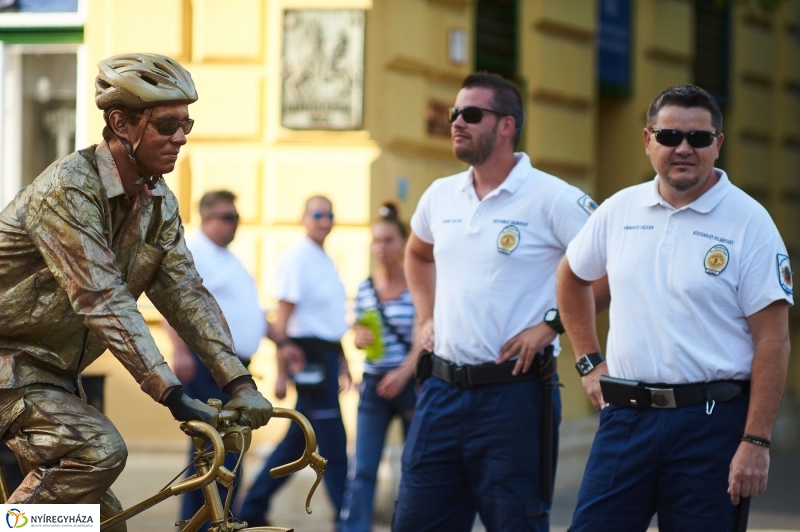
451,4
564,30
565,100
668,56
416,67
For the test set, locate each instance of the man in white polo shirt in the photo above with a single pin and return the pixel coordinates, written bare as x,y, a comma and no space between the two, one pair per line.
485,246
698,348
311,314
234,290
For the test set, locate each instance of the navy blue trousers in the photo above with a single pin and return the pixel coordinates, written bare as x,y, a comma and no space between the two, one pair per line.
474,450
374,415
323,412
204,387
673,462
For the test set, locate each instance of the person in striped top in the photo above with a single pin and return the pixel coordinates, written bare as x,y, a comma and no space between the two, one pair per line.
387,388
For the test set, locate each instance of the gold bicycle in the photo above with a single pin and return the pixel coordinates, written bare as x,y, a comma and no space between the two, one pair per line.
226,437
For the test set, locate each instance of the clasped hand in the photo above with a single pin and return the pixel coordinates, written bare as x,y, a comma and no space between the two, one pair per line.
526,344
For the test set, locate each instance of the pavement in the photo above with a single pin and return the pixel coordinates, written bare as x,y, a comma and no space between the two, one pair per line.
150,468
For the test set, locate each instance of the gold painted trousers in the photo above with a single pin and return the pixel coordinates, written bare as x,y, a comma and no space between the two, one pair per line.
67,450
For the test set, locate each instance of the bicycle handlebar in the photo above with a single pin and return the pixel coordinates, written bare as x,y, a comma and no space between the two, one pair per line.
310,455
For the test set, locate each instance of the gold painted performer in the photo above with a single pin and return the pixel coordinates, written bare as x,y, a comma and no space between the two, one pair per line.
77,248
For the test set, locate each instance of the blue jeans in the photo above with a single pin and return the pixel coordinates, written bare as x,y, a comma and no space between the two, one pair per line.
374,415
204,387
323,412
671,461
471,450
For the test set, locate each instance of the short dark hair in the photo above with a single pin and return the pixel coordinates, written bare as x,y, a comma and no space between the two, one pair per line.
213,197
686,96
130,117
506,98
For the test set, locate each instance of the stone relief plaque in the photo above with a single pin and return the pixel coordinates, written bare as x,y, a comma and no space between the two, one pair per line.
323,69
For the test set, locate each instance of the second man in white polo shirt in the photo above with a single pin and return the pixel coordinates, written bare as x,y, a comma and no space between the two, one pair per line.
481,265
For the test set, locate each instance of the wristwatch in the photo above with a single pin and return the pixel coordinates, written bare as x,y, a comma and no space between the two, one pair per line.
587,363
552,319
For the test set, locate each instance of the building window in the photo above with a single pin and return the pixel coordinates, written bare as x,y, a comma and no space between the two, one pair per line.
712,58
496,37
38,6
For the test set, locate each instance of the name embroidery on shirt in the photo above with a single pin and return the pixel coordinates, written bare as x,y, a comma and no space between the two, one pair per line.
509,222
713,237
451,221
716,259
637,227
508,240
785,274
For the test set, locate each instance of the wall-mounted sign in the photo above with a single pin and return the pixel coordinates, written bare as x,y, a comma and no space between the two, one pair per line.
457,46
438,124
323,68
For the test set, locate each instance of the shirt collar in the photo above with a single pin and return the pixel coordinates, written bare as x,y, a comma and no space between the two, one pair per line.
512,182
109,175
703,204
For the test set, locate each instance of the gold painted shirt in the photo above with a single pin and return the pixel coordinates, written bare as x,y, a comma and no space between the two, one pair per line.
75,255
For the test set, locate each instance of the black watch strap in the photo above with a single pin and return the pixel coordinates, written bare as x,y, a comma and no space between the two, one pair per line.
587,363
553,319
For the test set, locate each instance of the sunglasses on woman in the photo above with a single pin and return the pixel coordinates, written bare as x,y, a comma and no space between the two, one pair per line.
674,137
168,126
471,114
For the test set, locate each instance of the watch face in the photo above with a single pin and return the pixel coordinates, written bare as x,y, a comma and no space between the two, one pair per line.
550,315
585,365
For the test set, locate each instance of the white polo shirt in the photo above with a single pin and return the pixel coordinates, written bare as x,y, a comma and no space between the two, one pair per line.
683,282
235,291
307,278
496,258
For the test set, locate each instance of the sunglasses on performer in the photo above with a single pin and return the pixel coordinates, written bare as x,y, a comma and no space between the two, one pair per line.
319,215
471,114
674,137
168,126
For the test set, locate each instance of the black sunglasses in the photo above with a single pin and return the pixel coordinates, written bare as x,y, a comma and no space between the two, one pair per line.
471,114
168,126
674,137
229,217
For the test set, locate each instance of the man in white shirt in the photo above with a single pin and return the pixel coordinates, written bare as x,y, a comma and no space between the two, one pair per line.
480,265
235,292
311,315
699,345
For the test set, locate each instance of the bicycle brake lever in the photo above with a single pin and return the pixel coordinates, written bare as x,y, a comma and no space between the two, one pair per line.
318,464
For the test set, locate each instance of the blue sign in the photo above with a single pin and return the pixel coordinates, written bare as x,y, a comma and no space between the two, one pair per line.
614,47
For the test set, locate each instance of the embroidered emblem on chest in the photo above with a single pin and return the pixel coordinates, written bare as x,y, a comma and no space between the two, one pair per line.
587,203
785,274
508,239
716,259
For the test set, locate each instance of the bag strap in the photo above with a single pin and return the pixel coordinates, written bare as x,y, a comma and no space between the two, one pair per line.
389,325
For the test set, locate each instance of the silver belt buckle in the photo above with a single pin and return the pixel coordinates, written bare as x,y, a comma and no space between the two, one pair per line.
662,398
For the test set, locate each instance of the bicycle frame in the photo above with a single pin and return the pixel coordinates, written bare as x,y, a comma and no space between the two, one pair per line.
228,437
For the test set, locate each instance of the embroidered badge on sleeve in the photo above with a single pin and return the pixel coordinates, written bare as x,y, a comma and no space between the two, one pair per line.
785,274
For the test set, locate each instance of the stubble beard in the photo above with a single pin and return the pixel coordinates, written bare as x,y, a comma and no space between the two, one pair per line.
480,152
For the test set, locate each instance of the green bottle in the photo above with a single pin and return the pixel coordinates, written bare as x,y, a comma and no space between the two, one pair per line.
371,319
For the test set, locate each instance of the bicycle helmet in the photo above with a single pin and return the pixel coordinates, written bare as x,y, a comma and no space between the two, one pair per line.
138,81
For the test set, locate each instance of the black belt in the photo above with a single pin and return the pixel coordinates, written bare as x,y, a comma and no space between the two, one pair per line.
634,394
490,373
